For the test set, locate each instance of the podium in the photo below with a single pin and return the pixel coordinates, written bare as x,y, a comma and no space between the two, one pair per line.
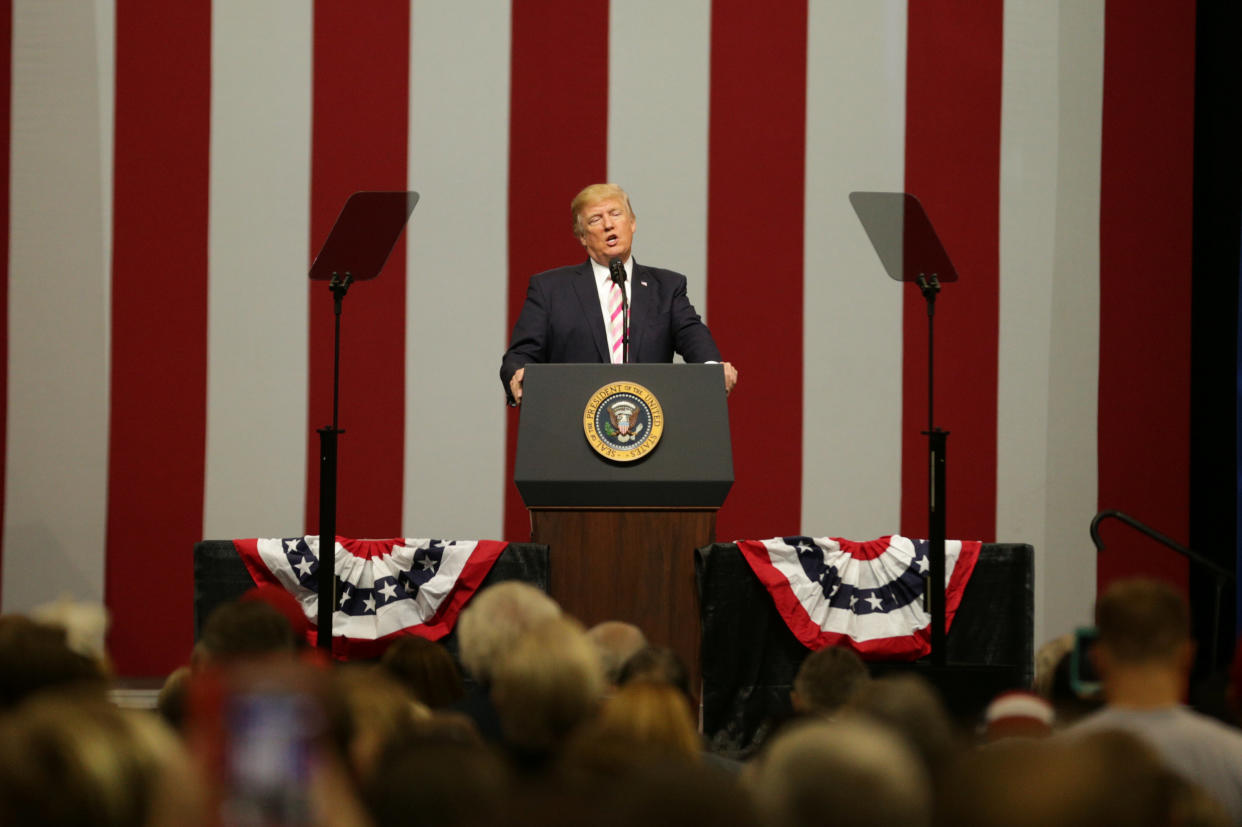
622,533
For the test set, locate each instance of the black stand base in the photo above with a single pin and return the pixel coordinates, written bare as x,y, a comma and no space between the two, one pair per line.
934,584
327,536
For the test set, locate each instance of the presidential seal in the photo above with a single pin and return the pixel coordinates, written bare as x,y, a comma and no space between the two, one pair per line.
623,421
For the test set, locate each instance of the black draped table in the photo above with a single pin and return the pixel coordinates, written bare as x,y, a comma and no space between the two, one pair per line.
221,576
750,657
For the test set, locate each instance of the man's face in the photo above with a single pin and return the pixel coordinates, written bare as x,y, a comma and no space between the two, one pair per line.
608,230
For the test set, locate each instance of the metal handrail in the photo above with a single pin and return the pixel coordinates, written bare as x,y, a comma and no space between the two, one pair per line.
1221,574
1215,568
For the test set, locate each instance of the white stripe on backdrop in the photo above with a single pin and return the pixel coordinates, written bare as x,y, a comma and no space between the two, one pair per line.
656,104
1049,310
60,198
855,140
658,56
455,311
257,264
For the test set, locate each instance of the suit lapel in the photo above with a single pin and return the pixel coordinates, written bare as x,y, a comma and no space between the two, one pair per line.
588,297
642,298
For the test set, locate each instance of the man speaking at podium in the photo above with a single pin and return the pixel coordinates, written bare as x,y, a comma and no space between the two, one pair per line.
575,314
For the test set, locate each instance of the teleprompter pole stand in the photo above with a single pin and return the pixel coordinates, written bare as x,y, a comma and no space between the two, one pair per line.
327,474
358,246
906,242
937,440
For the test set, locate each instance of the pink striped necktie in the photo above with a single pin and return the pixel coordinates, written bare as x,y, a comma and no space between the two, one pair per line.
616,320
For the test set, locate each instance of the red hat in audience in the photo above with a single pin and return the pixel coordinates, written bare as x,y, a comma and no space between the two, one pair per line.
1017,714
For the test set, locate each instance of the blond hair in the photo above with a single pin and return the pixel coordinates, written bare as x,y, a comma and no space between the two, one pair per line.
493,621
593,195
549,682
654,715
69,757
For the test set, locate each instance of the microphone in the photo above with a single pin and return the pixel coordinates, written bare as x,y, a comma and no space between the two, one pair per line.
617,271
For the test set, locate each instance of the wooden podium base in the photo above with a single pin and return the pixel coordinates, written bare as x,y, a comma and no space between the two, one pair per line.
629,564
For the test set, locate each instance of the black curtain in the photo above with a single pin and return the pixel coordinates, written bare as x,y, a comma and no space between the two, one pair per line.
1216,371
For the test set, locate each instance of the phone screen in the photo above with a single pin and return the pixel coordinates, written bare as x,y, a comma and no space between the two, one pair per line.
1084,679
269,753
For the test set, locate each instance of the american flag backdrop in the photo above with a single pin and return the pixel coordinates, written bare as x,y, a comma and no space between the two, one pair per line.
172,166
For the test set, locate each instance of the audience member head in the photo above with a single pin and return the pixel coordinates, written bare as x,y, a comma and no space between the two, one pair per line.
377,709
72,759
1047,657
911,707
846,771
242,630
285,603
650,719
827,679
548,683
1017,714
1070,704
35,656
1143,651
1104,777
425,669
656,664
677,793
434,781
171,703
492,622
616,643
1142,620
85,625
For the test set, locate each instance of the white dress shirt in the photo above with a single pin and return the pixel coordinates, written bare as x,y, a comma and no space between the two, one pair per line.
603,285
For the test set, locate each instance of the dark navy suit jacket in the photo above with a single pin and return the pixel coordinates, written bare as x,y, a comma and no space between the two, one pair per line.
561,321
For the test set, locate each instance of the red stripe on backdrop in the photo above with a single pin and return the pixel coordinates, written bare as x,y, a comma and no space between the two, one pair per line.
757,147
6,90
159,329
558,144
359,141
953,119
1145,286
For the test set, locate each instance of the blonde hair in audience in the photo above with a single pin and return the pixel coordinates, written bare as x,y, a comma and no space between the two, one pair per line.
493,621
69,758
654,715
547,684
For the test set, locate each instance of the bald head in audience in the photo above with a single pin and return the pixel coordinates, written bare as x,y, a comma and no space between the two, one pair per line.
616,643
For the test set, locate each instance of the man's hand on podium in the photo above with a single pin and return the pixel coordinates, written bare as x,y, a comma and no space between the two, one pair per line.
515,385
730,376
